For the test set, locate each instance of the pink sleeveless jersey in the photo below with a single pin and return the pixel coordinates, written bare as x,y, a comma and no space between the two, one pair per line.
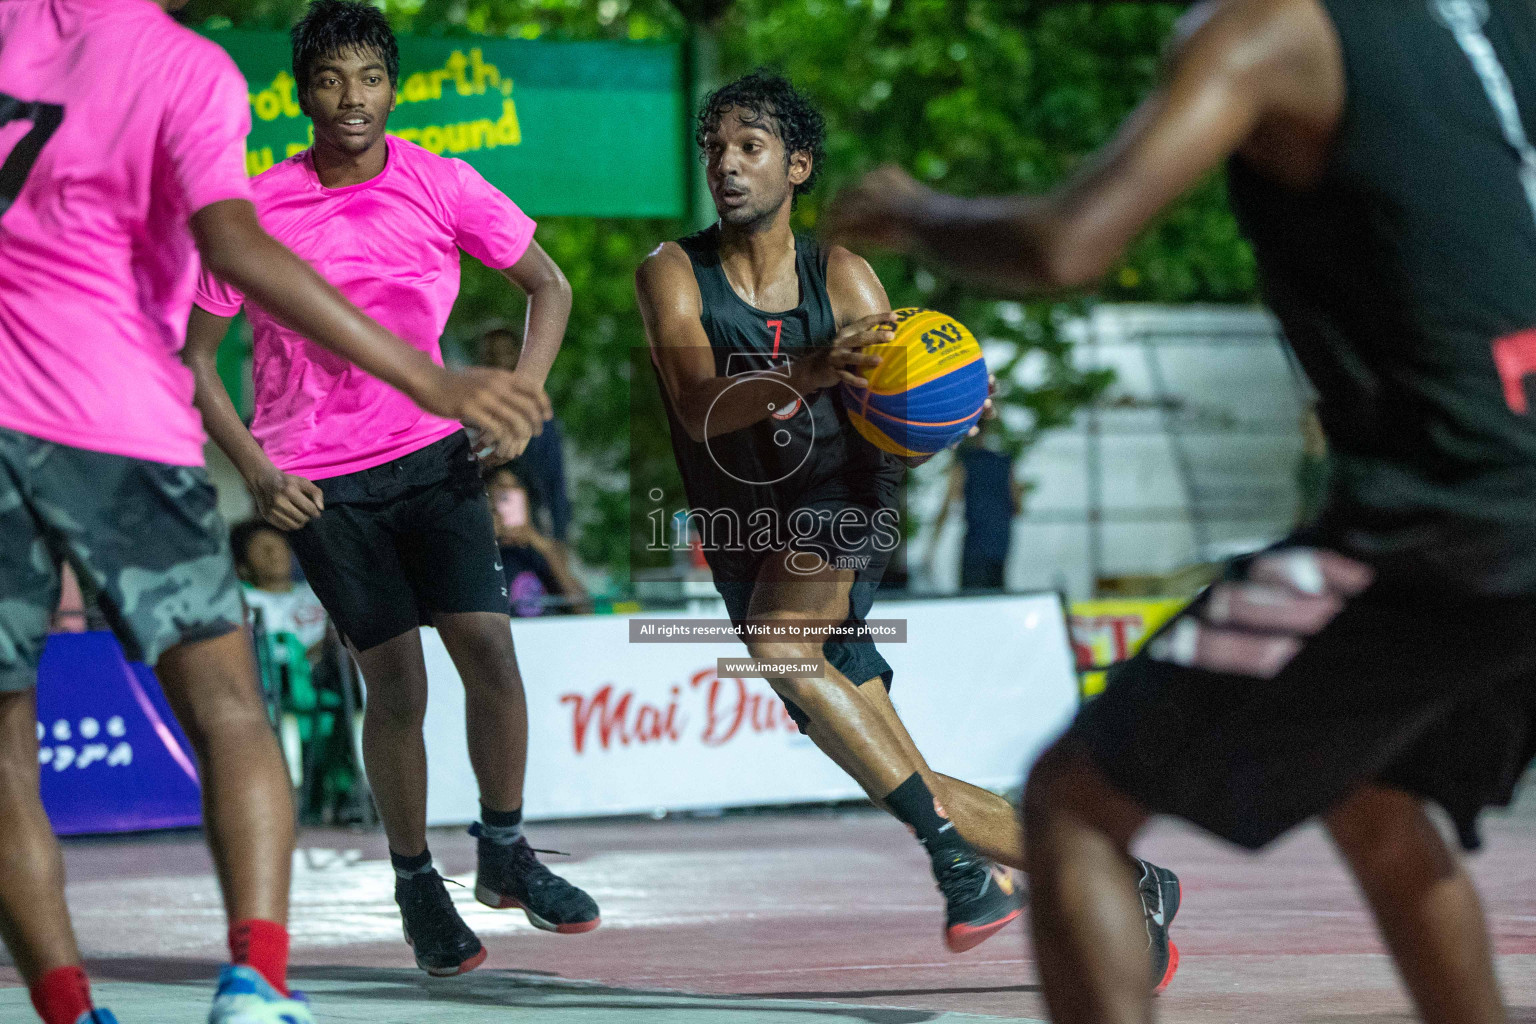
116,125
390,244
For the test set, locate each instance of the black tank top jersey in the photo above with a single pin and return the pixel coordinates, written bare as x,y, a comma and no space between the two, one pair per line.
805,450
1406,283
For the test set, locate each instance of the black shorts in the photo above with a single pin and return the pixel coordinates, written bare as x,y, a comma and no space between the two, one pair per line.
401,541
145,539
1301,676
830,528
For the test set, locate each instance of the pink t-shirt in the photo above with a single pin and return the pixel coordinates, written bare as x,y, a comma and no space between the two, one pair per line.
97,265
391,245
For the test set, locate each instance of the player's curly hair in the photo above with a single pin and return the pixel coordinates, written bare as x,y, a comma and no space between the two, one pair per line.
769,100
332,26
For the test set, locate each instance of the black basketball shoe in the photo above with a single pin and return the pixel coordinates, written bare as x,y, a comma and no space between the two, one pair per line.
443,944
980,898
1160,893
511,876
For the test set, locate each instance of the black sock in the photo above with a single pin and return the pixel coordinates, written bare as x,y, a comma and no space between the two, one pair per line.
913,803
409,867
501,819
503,828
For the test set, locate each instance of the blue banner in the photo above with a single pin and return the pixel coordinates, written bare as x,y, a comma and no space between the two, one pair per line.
111,755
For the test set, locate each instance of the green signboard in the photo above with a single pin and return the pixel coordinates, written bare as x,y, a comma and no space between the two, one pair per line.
564,129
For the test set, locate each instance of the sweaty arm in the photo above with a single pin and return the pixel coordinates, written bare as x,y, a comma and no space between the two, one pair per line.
1242,72
235,249
672,311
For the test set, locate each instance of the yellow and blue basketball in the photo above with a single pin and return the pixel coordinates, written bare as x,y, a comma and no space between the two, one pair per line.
928,390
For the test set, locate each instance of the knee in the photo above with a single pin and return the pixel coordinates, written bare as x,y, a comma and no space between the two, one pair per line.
18,732
804,694
498,682
213,688
1385,834
1065,789
782,648
227,705
800,690
485,656
1043,785
19,773
398,706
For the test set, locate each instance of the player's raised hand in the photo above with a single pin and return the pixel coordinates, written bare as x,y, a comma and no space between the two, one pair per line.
505,406
284,500
842,361
881,209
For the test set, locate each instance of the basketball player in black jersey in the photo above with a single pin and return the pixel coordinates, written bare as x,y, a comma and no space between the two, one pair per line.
751,329
1381,162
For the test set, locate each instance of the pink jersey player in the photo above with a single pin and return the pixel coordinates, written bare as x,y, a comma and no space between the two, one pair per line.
122,161
390,244
384,507
103,165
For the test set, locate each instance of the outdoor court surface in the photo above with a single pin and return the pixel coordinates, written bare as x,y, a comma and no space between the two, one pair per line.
810,918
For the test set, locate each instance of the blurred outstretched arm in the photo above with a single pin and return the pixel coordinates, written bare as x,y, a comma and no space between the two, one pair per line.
1260,77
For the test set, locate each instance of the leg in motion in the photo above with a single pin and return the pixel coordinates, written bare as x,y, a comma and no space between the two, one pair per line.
34,920
509,875
395,676
212,686
1091,937
987,821
996,828
1425,904
980,899
495,706
247,803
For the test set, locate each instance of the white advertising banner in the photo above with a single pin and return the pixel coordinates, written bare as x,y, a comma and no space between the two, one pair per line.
622,728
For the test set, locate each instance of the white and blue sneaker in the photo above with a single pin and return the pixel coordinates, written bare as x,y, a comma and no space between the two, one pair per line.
98,1016
245,997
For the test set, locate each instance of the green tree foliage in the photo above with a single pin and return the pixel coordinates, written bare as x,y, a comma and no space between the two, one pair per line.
974,96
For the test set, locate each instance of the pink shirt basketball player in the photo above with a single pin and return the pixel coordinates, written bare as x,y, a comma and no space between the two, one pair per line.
391,245
103,165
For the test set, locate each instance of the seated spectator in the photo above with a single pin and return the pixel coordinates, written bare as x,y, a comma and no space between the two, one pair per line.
292,636
541,467
536,566
265,563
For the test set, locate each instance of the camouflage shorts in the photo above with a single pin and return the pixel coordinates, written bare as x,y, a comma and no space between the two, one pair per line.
145,539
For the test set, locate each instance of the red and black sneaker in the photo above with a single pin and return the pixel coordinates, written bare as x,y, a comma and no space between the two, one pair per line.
1160,892
443,944
981,899
510,876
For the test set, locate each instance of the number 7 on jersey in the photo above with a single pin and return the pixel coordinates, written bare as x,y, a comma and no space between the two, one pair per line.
45,118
